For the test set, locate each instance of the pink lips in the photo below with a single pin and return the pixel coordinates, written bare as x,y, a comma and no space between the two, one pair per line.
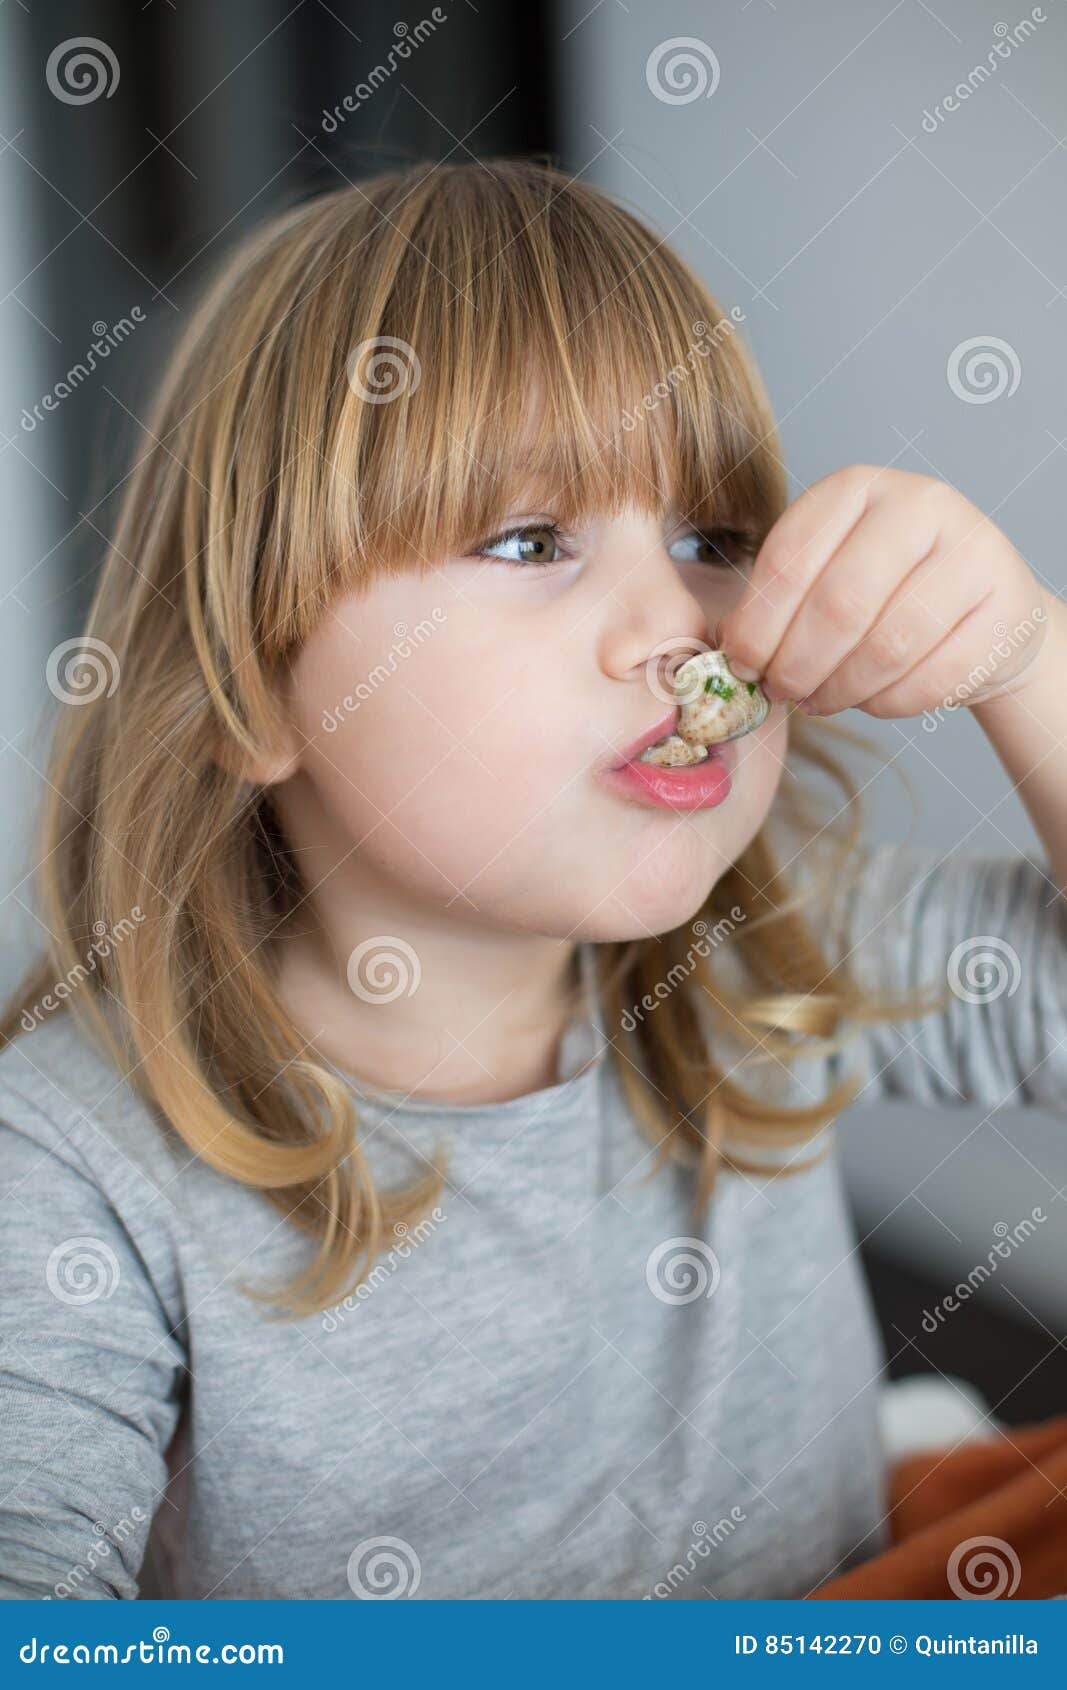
666,726
698,786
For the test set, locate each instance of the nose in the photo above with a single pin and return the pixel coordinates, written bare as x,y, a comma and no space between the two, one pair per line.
650,613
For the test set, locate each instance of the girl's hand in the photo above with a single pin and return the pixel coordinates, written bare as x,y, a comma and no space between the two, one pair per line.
892,593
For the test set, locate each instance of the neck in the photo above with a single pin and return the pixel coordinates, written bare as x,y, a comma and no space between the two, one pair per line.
463,1017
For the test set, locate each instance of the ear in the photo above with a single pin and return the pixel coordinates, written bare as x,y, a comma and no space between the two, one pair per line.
282,759
267,770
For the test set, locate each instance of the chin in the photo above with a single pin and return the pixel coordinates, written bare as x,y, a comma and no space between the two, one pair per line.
620,918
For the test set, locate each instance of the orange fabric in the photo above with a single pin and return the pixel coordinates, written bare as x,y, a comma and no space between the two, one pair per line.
1012,1487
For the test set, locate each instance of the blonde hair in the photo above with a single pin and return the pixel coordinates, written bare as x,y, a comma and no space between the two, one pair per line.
274,481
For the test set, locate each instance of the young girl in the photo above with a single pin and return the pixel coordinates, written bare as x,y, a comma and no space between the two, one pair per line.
417,1166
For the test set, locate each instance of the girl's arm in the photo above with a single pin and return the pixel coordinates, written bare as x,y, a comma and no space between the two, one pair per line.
1027,727
91,1369
985,936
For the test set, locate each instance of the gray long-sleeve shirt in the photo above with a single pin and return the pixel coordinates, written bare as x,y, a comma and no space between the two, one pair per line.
557,1386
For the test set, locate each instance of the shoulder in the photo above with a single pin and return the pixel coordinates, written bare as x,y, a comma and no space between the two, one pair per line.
85,1159
61,1089
84,1154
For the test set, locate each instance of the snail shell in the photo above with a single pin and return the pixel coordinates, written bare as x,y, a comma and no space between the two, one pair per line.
674,753
715,705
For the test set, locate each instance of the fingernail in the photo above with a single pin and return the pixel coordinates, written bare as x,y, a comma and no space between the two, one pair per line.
743,672
807,706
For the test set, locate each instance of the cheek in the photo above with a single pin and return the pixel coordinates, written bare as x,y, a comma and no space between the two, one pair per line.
764,760
451,771
757,777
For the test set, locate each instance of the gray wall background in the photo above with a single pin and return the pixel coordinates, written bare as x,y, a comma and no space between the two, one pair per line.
863,249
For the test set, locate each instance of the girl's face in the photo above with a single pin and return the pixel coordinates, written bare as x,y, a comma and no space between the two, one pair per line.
456,726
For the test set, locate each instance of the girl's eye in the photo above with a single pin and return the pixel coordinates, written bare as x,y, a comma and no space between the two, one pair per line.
538,543
724,548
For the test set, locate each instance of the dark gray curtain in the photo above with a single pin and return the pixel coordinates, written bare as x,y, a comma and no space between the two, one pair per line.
153,143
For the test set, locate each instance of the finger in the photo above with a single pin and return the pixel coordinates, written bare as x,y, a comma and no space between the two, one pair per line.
925,609
888,543
797,548
935,676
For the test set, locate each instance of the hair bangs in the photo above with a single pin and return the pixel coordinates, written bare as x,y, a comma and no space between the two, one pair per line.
537,352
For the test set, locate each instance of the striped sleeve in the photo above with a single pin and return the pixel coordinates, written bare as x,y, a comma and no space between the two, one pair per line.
986,934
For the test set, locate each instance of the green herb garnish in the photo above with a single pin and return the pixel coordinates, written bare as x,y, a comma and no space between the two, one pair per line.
751,685
717,685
